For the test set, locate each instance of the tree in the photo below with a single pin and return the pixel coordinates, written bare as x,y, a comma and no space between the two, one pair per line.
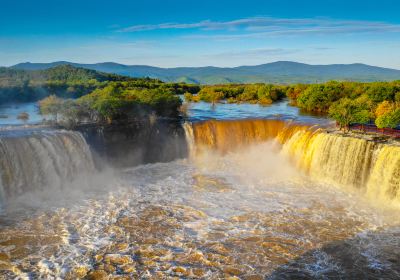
24,116
72,113
379,92
384,108
189,97
51,105
389,119
347,111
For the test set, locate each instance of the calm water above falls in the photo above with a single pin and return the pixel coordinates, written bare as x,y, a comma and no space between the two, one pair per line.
279,110
196,112
9,114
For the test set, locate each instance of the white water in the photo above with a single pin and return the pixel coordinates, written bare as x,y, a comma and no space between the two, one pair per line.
249,213
261,211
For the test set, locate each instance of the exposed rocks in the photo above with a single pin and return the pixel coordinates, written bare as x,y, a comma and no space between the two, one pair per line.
133,143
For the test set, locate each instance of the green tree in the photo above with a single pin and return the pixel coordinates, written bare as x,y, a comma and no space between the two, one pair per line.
347,111
389,119
51,105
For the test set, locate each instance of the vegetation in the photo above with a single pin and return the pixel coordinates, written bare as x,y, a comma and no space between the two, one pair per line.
347,111
351,102
345,102
23,116
66,81
76,94
115,102
252,93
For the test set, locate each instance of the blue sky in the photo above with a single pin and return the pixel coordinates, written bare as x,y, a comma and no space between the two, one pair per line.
171,33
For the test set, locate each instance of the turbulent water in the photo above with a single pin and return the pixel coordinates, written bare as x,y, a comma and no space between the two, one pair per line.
253,200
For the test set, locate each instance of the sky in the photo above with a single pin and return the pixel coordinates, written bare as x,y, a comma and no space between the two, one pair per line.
225,33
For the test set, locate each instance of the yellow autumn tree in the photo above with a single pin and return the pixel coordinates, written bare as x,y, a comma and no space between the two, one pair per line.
383,108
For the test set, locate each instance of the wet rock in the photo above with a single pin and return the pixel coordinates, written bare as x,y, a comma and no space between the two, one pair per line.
198,272
253,277
4,257
98,275
98,258
145,253
110,269
77,273
120,247
219,249
194,258
180,271
6,266
121,277
128,269
231,270
149,263
116,259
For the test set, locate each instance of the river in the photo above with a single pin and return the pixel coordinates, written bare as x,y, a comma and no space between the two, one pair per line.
253,199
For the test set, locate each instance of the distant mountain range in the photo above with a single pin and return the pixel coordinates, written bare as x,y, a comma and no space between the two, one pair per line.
276,72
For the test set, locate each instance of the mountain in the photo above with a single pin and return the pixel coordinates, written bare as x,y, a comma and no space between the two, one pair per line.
57,73
276,72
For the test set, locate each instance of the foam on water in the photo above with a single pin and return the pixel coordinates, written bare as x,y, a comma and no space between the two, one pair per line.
247,213
238,206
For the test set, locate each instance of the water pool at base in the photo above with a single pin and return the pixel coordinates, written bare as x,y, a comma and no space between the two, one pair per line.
243,215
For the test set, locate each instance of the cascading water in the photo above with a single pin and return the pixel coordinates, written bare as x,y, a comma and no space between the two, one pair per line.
37,160
225,136
237,209
349,161
345,161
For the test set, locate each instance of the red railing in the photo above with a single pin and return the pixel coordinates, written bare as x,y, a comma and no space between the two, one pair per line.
392,132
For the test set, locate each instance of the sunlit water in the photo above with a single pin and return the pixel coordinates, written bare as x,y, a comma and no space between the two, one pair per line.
248,214
224,111
196,111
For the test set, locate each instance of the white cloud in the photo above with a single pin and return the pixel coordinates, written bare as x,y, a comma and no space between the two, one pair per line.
263,26
254,53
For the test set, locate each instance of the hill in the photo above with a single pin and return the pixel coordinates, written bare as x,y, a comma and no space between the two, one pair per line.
284,72
61,73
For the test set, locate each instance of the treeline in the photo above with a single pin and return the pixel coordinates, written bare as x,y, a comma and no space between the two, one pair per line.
236,93
66,81
351,102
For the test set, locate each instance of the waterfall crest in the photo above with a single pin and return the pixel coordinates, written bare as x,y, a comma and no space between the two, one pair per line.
347,161
225,136
33,161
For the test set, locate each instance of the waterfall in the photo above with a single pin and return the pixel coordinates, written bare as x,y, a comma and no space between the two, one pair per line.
41,159
189,135
384,181
343,160
347,161
225,136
